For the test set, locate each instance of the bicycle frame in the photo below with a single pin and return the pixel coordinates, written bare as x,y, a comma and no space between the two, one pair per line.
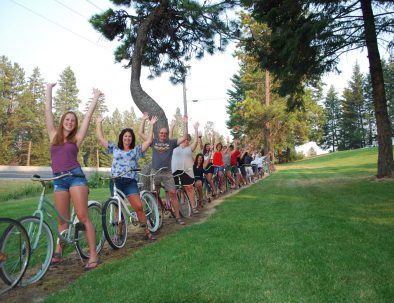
42,210
121,198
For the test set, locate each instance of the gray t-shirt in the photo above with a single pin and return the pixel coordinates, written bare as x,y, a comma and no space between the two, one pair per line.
162,153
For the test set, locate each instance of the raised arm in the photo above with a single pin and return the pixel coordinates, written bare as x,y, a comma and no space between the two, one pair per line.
48,112
195,140
171,130
149,140
206,161
200,141
83,130
99,131
141,130
184,130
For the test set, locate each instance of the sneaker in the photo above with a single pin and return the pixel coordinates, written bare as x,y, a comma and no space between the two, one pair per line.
195,211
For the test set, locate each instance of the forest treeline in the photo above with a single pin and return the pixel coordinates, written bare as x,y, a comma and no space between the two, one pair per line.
23,136
334,121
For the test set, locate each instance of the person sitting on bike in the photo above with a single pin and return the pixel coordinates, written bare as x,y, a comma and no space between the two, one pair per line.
218,165
235,153
182,164
65,142
207,151
227,163
198,170
125,158
162,149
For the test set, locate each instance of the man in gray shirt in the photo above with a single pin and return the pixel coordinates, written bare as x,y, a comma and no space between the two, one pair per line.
162,149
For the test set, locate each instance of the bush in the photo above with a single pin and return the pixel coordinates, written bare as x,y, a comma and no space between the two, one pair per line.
94,180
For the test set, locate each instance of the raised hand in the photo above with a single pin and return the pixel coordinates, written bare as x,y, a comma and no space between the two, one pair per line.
153,120
97,93
145,116
51,85
99,118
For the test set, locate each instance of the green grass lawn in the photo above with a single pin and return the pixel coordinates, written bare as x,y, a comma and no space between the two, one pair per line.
319,230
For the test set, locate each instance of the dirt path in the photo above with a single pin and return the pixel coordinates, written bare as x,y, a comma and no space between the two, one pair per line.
59,276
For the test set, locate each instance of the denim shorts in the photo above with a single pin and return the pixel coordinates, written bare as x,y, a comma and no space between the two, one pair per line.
218,169
64,184
127,185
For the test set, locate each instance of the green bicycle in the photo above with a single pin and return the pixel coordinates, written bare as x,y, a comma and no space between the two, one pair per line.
41,238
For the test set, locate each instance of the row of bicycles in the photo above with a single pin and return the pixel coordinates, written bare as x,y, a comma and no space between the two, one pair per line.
27,244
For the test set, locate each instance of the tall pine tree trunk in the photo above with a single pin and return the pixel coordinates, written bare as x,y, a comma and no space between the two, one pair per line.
385,155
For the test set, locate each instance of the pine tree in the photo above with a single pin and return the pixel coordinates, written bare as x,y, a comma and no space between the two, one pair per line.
66,97
39,154
91,148
331,135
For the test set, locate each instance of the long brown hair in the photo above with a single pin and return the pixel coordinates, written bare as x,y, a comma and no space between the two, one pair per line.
59,137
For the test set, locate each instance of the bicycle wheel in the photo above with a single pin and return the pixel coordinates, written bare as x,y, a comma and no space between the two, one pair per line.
185,208
115,230
153,216
41,242
81,244
14,253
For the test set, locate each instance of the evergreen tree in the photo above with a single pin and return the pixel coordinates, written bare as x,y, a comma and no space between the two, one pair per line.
164,36
13,95
91,148
331,135
66,97
39,154
354,112
307,39
388,71
369,113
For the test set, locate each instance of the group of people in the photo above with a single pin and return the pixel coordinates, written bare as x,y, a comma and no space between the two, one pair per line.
172,162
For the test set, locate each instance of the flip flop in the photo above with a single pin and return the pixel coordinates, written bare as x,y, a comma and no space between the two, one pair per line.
90,267
57,258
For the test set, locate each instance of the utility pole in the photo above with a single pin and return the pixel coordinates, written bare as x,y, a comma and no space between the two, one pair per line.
185,102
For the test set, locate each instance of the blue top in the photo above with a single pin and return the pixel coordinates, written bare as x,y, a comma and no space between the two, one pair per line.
124,160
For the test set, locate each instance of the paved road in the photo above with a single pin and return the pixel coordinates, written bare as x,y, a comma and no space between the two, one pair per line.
25,173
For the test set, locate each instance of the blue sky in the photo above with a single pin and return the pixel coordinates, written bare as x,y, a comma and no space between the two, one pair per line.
54,34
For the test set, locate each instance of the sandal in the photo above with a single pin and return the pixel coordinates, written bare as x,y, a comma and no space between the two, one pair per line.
195,210
57,258
148,237
92,265
179,221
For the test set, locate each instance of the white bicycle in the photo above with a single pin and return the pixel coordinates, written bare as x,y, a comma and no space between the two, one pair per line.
117,213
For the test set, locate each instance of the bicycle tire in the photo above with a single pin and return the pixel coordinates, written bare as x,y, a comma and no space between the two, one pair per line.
154,218
81,244
41,244
15,249
111,225
185,208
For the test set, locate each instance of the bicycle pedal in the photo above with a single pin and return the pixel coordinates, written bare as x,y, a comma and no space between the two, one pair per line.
79,226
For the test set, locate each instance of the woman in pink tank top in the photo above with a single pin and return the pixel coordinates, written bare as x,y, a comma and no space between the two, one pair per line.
65,141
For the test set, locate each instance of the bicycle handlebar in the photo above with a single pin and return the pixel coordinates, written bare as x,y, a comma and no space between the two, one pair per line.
122,174
152,175
68,174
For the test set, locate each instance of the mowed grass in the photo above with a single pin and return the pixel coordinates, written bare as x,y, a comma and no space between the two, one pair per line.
320,230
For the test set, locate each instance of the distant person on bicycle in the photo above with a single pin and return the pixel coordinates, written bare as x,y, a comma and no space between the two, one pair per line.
207,151
65,142
182,164
218,165
125,158
198,170
162,149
